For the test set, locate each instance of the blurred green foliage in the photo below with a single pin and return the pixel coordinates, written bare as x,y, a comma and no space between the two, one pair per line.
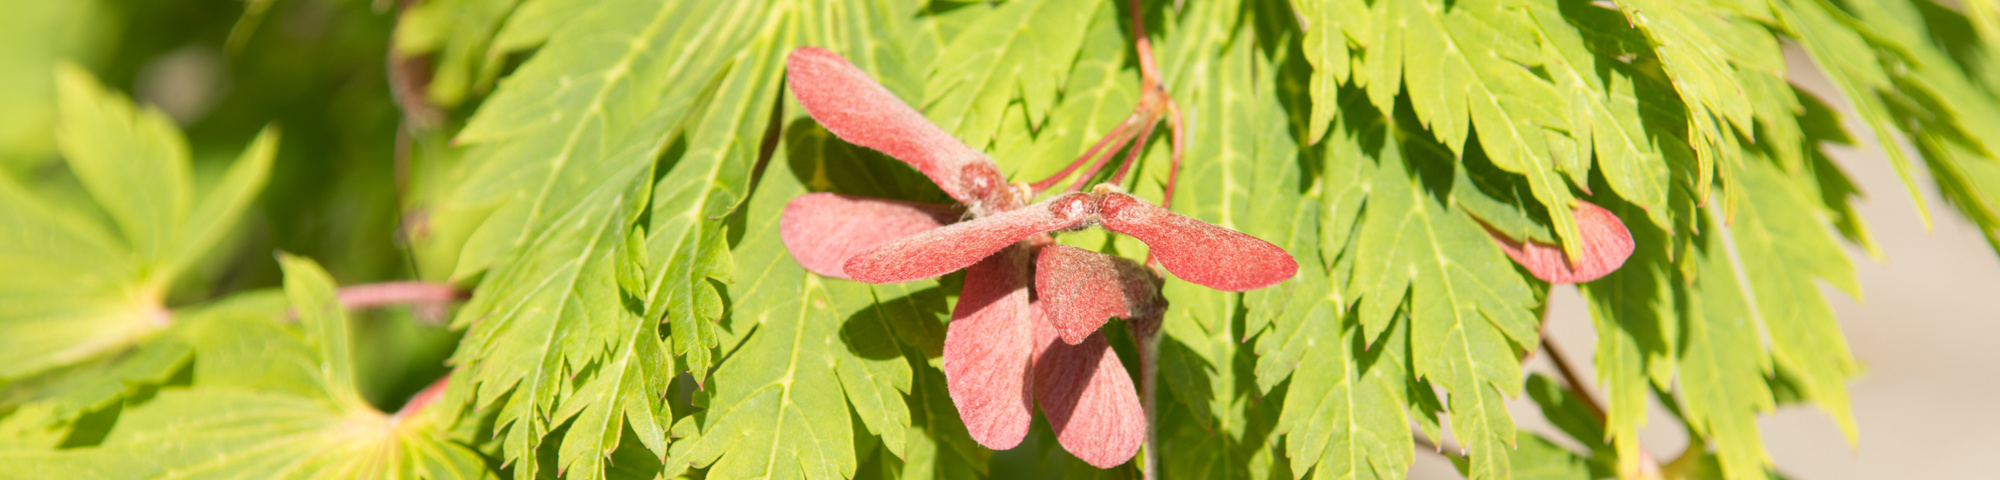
314,67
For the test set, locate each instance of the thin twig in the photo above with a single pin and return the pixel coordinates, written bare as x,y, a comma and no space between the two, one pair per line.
1114,139
1133,158
1576,384
1154,103
1149,352
1648,467
1149,72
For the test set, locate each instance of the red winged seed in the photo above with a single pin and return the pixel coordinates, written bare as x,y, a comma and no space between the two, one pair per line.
988,347
823,230
857,109
1606,245
1088,398
947,249
1081,289
1197,251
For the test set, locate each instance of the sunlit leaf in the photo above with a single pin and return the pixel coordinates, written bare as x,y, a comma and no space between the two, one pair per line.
1022,50
1469,310
77,290
239,431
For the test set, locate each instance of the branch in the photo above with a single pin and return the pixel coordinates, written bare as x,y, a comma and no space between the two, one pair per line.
1149,367
1647,465
1571,379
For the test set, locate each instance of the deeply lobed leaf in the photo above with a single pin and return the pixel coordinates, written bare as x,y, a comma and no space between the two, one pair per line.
240,420
1467,312
77,292
1020,50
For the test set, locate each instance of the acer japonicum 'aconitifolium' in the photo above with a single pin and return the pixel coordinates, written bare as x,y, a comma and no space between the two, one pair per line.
1005,349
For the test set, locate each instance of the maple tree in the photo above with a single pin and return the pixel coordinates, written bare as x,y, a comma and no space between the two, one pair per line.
889,238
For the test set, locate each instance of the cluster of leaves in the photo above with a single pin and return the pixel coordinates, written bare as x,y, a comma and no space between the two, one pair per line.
607,179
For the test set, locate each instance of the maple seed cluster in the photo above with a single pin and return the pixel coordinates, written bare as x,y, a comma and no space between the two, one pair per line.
1006,349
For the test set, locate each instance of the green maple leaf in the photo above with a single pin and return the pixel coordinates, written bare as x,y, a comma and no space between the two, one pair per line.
1344,406
567,148
1019,50
779,410
1540,459
607,174
1570,413
1783,250
1603,108
1470,313
1343,414
1464,66
937,445
1955,137
460,35
1830,43
1638,324
1330,26
1722,387
1699,64
79,293
1100,93
237,421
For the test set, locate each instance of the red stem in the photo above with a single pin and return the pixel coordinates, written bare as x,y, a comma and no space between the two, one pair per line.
390,293
1148,71
1101,160
1113,138
1174,123
1133,157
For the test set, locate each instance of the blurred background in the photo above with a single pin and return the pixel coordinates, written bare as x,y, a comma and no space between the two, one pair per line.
1925,330
222,70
